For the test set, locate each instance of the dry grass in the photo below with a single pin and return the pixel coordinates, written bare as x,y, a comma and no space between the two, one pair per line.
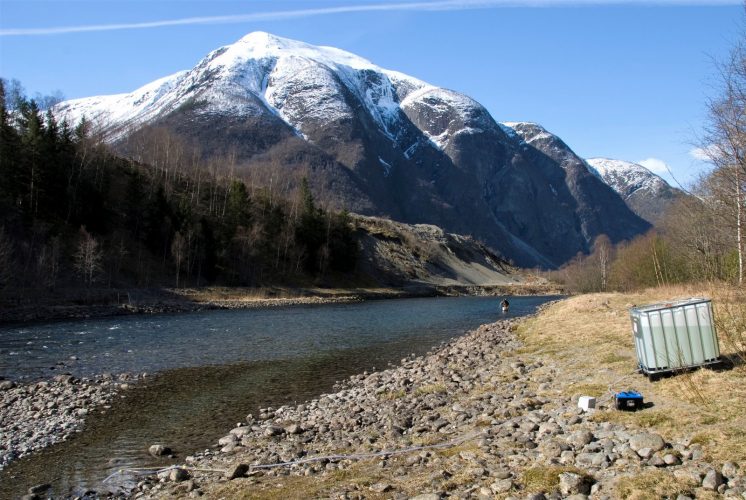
294,487
431,389
392,395
590,337
651,486
545,479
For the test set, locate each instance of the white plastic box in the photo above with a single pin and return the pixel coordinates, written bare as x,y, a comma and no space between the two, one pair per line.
674,336
586,403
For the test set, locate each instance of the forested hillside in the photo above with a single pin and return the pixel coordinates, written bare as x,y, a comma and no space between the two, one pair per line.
72,214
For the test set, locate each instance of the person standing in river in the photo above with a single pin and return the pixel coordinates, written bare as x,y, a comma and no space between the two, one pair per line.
505,305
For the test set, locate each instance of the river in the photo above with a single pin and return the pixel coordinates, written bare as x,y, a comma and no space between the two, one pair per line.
212,368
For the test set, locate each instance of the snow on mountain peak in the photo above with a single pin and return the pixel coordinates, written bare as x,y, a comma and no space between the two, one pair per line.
626,177
261,45
259,72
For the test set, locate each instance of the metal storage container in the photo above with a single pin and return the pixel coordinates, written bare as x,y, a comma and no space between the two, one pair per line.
674,335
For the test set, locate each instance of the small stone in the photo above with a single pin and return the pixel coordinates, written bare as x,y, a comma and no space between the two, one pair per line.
502,486
64,378
729,470
381,487
427,496
294,429
551,449
567,457
590,459
647,440
657,461
571,484
712,480
645,452
683,497
6,385
39,488
240,431
273,430
158,450
229,439
671,459
235,471
502,473
178,474
578,439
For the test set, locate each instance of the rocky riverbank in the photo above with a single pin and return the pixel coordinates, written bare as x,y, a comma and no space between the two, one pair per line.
36,415
173,305
473,419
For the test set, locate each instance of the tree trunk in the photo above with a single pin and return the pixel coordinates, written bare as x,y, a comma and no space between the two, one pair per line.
739,226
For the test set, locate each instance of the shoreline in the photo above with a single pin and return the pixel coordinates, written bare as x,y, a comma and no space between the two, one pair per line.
168,301
38,414
474,418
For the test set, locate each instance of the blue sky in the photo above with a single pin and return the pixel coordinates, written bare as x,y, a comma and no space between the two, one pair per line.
625,80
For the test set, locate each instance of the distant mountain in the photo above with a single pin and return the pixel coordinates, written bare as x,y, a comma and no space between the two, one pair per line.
646,193
375,141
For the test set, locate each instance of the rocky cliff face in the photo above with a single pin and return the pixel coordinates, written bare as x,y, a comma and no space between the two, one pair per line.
394,253
377,142
644,192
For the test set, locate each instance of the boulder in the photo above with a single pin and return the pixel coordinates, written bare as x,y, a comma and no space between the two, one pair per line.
729,470
501,486
178,475
712,480
273,430
579,439
158,450
647,440
572,484
236,471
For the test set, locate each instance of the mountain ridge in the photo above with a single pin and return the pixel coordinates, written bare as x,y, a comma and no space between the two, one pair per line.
645,192
376,141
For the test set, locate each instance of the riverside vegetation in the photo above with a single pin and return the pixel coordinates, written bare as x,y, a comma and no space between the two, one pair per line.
73,215
493,415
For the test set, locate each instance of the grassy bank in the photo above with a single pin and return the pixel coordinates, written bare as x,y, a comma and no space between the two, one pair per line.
590,336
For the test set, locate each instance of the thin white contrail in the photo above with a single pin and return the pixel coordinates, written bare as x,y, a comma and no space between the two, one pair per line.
435,5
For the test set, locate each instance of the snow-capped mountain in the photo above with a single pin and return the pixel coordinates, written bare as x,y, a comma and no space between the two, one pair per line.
646,193
375,141
299,83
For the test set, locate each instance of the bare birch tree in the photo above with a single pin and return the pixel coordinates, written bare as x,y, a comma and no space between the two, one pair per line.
88,257
724,145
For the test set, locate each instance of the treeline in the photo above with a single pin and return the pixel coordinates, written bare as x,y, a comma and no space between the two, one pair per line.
702,237
73,213
693,243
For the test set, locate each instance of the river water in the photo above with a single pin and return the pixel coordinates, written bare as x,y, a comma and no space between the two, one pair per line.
212,368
